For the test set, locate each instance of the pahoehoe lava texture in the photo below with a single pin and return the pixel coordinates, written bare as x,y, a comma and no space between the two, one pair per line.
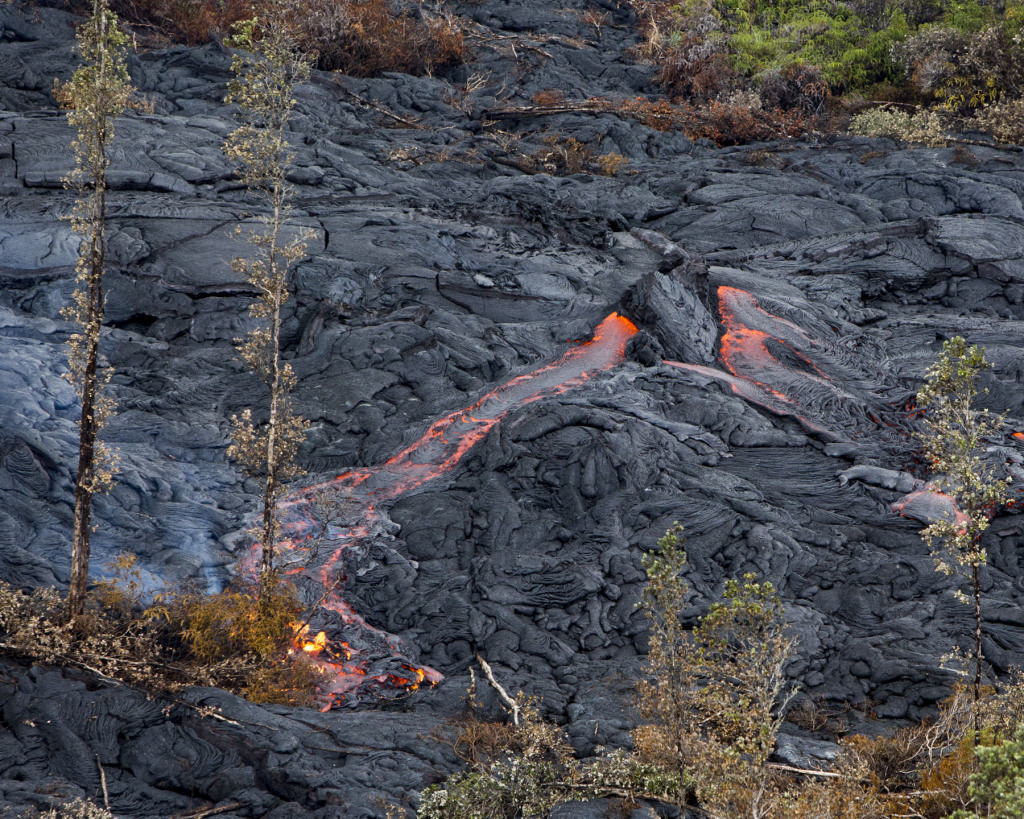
787,300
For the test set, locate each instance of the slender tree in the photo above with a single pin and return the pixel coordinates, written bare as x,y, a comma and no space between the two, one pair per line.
97,93
268,65
954,444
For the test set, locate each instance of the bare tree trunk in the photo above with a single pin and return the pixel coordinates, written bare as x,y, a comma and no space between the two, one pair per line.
271,482
270,486
83,504
977,650
88,426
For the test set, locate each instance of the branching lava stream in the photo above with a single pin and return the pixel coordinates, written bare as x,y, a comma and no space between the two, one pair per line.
359,661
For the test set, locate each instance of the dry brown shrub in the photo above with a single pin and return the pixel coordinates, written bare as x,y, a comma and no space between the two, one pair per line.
660,115
611,164
867,156
845,797
476,741
944,784
548,96
191,22
595,18
964,156
364,38
561,155
737,123
815,714
686,43
891,763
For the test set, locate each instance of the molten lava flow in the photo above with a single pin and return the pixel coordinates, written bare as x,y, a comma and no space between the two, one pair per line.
748,331
754,372
347,649
767,360
929,505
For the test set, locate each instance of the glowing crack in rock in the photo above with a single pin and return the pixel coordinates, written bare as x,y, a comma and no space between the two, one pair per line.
356,659
771,362
929,505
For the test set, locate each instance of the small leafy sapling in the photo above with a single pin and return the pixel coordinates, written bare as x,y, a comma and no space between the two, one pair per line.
953,440
714,697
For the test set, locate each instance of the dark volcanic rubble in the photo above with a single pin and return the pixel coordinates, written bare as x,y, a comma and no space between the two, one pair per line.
787,299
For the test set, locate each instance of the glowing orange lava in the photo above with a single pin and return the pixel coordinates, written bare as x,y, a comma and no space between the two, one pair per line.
928,505
752,371
345,666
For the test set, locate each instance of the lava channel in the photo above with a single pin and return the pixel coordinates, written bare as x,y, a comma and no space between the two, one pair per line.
766,362
322,521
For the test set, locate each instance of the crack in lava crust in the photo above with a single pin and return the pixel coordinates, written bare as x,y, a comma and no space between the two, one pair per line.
360,662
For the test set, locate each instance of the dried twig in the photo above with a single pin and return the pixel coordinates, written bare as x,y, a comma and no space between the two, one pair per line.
505,698
804,771
525,111
209,812
103,783
378,108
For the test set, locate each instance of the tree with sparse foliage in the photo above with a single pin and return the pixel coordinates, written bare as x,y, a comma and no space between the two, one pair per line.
715,697
954,443
97,93
267,66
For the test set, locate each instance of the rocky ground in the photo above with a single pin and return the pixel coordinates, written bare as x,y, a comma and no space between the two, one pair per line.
787,298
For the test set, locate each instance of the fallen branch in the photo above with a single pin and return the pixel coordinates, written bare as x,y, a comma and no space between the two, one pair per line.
103,783
526,111
209,812
805,771
511,703
378,108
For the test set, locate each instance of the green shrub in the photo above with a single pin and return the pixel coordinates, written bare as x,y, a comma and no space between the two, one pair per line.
927,127
702,47
714,697
997,788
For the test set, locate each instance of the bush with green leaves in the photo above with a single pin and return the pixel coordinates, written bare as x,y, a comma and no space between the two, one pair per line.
742,41
929,127
997,788
963,69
